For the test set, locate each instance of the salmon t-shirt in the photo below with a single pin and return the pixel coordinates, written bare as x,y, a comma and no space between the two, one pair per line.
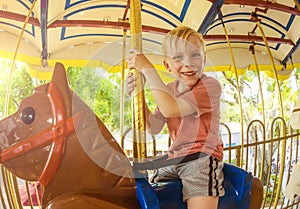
197,132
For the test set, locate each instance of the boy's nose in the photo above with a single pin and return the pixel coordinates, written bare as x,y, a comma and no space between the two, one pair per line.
187,62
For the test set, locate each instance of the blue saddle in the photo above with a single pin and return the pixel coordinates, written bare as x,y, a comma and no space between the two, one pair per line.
168,195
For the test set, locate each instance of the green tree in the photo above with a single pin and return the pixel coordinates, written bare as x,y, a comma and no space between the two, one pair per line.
21,85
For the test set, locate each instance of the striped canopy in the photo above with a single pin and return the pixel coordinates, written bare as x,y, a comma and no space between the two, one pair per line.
92,33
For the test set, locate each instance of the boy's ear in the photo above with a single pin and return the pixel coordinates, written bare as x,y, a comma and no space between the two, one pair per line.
166,64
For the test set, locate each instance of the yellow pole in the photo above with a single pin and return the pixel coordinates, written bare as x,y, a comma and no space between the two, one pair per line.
139,126
273,64
122,100
14,60
11,182
239,94
263,110
282,157
260,86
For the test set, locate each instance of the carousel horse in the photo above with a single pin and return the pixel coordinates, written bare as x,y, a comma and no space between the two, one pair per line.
56,139
295,116
293,187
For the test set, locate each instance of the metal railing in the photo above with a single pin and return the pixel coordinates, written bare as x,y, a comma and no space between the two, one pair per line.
269,153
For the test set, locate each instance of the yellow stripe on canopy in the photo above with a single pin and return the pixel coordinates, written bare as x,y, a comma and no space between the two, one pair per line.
36,70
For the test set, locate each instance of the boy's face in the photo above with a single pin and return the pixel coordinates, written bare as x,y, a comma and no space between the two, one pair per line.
186,60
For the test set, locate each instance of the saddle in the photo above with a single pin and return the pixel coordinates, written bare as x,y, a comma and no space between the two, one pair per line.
240,186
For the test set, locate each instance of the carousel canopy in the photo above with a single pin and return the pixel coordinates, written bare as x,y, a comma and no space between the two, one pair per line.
95,33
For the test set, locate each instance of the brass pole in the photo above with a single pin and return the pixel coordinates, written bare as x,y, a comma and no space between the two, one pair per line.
11,182
139,126
252,49
273,64
14,60
283,146
260,85
122,100
239,94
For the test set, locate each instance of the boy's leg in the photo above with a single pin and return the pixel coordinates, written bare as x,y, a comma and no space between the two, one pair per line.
202,182
206,202
164,174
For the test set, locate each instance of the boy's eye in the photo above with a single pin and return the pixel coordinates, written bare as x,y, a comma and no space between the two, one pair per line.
178,57
196,55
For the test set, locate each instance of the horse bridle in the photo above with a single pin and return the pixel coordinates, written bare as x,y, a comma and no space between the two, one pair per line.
61,128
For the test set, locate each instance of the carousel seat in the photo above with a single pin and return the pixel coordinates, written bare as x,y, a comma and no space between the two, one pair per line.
168,195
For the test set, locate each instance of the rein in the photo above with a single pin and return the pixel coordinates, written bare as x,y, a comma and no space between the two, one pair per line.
296,110
61,128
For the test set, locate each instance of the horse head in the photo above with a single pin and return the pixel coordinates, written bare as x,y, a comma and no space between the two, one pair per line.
295,116
293,187
55,138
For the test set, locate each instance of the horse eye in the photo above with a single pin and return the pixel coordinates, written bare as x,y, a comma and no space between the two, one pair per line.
28,115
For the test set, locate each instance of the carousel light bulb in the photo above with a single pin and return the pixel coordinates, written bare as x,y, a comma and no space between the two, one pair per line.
106,18
4,7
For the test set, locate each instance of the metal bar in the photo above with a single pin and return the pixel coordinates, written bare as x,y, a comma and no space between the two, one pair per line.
264,4
238,89
139,126
297,4
244,38
152,29
211,15
126,9
291,52
19,17
252,49
14,60
122,96
44,20
28,194
272,62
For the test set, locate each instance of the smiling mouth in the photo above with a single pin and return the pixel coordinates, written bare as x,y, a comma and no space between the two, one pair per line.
190,73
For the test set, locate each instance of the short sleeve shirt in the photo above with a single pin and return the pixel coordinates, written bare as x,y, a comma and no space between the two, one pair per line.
197,132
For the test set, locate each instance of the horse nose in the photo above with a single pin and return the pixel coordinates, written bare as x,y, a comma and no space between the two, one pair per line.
7,130
3,140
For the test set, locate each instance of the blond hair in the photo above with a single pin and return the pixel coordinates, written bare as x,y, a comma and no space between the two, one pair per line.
180,33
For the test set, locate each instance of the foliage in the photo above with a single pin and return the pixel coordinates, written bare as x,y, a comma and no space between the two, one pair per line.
21,85
252,103
102,92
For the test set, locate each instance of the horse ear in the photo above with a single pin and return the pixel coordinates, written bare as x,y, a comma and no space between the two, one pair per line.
60,79
59,76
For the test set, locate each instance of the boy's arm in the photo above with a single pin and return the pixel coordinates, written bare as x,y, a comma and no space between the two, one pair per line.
153,124
170,105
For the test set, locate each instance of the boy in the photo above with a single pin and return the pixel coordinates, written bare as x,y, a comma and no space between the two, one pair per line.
190,106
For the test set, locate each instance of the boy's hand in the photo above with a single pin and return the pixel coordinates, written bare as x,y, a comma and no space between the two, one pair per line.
138,61
130,83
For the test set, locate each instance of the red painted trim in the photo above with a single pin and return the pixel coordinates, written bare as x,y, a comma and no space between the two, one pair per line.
247,38
146,28
264,4
18,17
103,24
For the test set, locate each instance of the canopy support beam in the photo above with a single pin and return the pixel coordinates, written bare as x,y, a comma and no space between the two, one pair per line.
264,4
44,20
211,15
292,51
